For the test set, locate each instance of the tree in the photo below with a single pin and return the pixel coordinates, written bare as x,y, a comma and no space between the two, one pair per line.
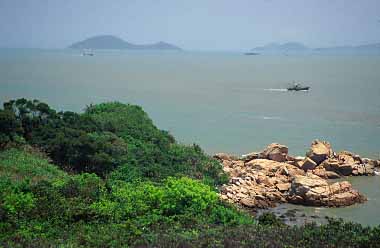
9,127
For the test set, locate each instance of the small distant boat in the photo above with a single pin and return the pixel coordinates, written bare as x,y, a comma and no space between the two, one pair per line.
298,87
87,53
250,53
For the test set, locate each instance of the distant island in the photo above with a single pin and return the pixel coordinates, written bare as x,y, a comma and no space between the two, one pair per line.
296,47
275,47
113,42
369,48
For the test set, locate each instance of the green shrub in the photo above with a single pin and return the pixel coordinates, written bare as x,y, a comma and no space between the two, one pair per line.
181,199
10,128
179,160
270,219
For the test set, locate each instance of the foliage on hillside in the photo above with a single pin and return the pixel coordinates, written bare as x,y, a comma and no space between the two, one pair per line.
38,202
108,137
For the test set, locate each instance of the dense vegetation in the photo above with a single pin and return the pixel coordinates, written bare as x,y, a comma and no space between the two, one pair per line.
109,178
40,203
110,139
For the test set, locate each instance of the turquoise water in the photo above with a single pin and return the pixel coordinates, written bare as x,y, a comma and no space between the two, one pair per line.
226,102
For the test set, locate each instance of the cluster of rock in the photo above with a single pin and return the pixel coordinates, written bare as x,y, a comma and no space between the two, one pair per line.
327,164
269,177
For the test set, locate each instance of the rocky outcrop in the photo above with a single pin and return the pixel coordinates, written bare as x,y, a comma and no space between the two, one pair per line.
347,164
374,163
274,151
315,191
320,159
263,179
262,183
259,183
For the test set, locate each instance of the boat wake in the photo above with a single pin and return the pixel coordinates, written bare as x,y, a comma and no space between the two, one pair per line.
249,116
272,89
270,118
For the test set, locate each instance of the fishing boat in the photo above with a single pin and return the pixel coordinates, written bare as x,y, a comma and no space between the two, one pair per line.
298,87
87,53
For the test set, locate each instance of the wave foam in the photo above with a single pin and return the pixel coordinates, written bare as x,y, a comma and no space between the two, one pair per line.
270,117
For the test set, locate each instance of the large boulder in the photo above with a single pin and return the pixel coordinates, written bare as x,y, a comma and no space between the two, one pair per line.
222,156
248,202
342,194
272,168
283,186
264,164
374,163
347,164
321,172
330,164
338,167
250,156
308,164
319,151
346,169
276,152
345,158
368,169
315,191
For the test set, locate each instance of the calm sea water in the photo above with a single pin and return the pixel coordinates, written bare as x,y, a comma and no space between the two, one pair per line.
226,102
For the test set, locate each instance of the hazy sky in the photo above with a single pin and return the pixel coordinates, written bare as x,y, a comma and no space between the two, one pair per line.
192,24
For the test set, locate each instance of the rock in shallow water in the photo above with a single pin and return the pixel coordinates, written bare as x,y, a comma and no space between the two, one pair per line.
346,164
315,191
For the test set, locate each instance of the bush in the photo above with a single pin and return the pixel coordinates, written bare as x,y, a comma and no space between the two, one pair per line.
10,128
270,219
180,199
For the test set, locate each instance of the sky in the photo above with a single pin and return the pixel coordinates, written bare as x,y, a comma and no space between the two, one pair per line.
192,24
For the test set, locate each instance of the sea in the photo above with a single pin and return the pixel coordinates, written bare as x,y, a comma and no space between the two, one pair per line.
223,101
